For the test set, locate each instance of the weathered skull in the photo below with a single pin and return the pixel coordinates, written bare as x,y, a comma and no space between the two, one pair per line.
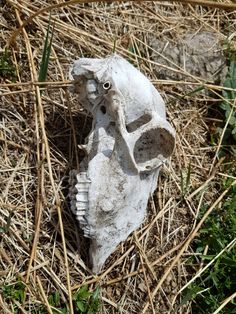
129,141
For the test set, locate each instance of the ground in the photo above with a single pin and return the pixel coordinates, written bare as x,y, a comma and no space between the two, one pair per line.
41,249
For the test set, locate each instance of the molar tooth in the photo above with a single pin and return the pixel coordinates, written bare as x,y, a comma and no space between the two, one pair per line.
82,197
81,205
86,230
82,176
78,194
80,218
82,187
82,222
79,214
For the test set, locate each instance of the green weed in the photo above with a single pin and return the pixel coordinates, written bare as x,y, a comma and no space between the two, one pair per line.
218,281
13,292
46,52
57,305
7,68
87,302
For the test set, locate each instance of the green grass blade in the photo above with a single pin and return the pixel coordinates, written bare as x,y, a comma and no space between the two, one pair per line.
46,53
42,64
188,177
185,181
182,184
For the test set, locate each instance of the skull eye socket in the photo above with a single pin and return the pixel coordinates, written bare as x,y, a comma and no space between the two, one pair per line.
151,144
106,85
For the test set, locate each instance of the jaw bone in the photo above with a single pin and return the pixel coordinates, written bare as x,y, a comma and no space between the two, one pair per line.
129,141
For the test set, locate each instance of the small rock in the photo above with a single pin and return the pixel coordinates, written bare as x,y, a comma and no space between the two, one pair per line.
199,54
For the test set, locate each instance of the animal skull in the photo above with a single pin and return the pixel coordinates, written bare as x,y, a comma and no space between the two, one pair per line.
129,141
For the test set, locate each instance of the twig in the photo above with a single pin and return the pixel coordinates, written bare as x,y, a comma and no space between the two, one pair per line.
44,296
147,285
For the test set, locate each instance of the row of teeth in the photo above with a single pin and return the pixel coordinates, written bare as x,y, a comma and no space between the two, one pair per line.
78,194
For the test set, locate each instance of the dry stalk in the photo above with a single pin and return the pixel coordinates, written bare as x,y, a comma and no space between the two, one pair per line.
224,6
44,153
44,295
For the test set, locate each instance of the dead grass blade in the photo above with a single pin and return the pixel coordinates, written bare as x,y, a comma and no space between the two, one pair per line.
220,5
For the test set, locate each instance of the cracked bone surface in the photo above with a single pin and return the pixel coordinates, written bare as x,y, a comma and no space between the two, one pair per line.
129,141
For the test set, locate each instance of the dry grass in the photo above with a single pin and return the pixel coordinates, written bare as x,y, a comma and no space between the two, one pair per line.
39,146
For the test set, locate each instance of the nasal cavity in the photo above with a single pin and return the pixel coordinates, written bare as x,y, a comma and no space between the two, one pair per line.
134,125
103,109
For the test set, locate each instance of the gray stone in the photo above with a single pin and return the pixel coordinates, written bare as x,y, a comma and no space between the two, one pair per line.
199,54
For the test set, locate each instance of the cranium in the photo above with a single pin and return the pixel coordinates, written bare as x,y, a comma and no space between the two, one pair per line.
129,141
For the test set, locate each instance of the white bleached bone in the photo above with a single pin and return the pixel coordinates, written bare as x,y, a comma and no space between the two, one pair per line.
129,141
